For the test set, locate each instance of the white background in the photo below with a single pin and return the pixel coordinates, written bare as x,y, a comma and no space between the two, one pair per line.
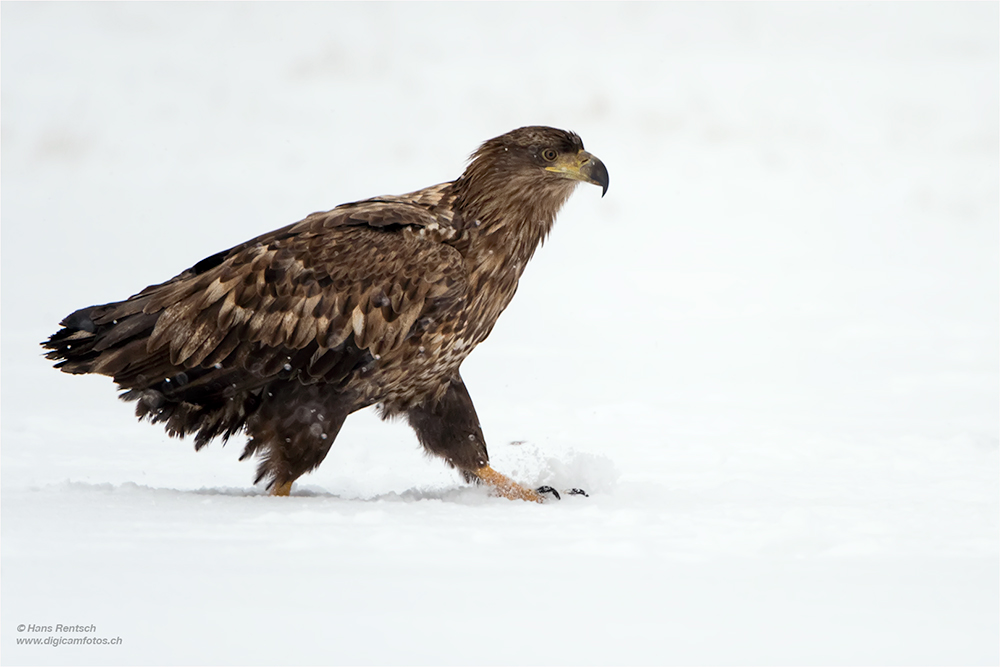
770,352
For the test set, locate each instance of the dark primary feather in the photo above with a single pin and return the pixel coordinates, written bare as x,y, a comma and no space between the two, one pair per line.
376,301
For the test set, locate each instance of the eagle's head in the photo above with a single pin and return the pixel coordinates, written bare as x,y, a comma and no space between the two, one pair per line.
545,153
525,176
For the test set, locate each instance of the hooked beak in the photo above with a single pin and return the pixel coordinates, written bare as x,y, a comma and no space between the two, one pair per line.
582,167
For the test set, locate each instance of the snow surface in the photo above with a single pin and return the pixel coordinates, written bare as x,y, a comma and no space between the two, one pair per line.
770,353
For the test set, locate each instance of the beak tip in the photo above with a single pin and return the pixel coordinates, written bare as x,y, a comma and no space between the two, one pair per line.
598,174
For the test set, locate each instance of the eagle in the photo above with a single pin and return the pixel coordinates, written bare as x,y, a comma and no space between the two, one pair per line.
375,302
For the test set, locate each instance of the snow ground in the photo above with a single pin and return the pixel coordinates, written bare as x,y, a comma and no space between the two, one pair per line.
770,353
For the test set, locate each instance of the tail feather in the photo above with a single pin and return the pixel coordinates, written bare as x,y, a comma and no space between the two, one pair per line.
112,339
131,327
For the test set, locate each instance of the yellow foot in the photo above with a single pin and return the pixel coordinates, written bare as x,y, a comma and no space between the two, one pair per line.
507,487
281,489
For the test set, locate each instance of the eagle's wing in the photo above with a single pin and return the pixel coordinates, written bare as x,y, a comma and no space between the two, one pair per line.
316,298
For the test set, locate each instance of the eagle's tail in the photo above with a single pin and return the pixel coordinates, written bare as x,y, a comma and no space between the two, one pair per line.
112,339
98,339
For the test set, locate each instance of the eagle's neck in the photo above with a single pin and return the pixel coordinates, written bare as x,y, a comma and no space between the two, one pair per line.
507,217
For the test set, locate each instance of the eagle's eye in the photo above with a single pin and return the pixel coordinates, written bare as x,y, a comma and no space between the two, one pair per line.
549,154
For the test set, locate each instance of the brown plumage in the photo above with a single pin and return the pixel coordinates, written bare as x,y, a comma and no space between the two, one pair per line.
374,302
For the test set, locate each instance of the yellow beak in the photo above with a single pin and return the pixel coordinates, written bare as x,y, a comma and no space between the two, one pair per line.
582,167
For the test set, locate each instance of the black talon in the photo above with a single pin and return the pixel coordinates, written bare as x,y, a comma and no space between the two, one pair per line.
548,489
578,492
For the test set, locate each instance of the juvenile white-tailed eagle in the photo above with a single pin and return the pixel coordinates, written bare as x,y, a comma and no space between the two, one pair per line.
374,302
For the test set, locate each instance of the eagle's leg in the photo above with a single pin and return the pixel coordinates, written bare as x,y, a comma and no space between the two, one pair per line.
507,487
449,428
282,489
292,431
